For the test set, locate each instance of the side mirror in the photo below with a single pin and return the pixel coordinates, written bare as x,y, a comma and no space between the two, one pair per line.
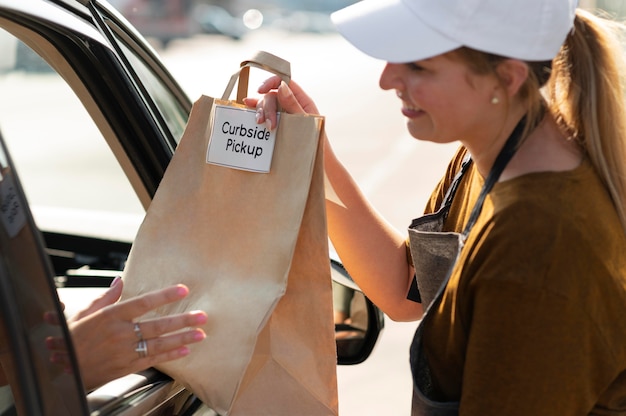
358,322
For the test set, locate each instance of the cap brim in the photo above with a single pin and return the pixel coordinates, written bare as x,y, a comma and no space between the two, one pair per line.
388,30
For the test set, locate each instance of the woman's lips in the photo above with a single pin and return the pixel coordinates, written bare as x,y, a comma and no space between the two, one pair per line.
411,112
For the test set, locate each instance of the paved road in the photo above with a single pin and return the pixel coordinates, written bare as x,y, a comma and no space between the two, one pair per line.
367,130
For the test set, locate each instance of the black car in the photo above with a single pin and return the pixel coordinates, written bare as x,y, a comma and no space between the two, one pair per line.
89,120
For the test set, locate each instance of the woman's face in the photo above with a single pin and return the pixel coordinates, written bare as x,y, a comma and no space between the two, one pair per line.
443,100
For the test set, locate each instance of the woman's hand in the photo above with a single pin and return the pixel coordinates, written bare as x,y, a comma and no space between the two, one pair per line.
291,98
110,342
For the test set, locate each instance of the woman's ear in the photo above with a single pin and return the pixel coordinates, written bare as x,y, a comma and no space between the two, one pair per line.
513,73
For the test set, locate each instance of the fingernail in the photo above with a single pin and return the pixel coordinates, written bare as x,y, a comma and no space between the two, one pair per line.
199,335
284,90
182,290
259,115
200,317
50,344
183,351
116,281
268,124
50,318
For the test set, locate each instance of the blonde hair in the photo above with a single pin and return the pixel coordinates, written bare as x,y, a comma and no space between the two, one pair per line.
584,90
586,95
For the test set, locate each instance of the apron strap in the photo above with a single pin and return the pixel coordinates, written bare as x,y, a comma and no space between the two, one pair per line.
503,158
447,199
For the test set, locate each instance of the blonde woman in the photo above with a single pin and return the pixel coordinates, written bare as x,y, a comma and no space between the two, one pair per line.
518,268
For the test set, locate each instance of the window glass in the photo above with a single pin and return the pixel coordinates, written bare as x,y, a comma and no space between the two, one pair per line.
173,113
70,176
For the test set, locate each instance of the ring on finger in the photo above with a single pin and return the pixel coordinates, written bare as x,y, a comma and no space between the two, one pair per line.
142,348
137,330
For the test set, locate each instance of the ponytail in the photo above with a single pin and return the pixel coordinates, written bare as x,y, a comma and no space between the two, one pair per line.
586,95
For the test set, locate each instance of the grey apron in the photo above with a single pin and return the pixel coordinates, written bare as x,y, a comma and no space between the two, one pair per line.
435,254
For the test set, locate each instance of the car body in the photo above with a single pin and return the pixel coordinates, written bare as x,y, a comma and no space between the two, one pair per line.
89,120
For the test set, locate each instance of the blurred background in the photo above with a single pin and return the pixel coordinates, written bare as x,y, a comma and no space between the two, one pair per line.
166,20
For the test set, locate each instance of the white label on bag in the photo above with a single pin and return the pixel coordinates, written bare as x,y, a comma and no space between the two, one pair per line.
237,141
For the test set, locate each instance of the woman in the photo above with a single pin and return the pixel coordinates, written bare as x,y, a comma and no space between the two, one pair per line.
525,234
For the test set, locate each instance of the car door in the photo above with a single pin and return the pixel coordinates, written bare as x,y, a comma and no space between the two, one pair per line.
31,383
93,121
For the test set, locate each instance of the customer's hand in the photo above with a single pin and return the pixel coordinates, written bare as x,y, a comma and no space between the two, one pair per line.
110,340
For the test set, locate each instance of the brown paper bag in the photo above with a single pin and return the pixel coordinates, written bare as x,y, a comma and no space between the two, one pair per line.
253,249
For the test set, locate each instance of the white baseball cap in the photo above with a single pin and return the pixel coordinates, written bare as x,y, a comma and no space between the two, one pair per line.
410,30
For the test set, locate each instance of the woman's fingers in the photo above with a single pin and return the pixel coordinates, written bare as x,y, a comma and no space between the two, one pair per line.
288,100
133,308
251,102
305,102
267,108
109,297
62,358
171,346
267,111
292,99
157,327
56,344
270,84
51,318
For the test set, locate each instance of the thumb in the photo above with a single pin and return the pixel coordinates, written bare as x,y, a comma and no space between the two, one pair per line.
288,100
107,298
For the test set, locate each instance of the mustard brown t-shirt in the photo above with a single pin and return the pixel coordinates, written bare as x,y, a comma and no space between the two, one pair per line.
533,320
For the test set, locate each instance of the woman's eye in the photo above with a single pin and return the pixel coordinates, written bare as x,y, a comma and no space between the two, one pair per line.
414,66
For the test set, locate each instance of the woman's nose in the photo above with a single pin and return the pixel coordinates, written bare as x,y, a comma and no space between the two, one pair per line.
389,78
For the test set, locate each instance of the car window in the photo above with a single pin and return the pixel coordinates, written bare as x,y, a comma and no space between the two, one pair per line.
170,109
69,173
172,103
174,115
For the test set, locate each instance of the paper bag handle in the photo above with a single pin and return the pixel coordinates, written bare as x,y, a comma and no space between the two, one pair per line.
263,60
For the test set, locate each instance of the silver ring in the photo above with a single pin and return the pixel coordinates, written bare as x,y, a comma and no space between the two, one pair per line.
142,348
137,330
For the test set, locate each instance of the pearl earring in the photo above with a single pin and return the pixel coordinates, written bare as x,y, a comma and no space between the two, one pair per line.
495,100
